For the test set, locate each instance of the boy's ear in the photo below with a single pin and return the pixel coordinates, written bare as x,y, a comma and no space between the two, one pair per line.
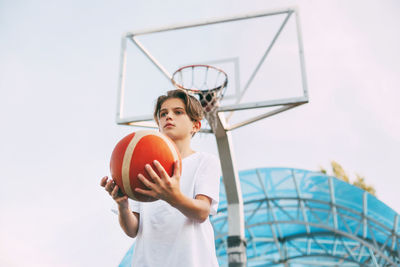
196,126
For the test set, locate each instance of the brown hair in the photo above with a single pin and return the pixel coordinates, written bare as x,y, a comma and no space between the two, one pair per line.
192,105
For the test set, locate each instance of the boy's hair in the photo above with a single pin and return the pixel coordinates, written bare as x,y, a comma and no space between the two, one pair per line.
193,107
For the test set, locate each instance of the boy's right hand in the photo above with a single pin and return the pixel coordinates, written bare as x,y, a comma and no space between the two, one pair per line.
115,193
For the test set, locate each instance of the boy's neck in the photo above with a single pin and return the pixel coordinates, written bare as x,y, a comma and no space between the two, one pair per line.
184,148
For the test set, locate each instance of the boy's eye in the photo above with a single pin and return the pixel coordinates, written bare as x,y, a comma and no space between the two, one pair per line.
163,114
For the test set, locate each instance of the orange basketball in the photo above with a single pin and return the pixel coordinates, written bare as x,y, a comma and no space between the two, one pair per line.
133,152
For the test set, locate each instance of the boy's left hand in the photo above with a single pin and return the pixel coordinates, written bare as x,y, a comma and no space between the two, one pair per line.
164,187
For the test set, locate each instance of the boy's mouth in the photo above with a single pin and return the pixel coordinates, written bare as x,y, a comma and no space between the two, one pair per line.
168,125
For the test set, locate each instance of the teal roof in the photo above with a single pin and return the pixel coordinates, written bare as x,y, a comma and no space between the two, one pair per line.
305,218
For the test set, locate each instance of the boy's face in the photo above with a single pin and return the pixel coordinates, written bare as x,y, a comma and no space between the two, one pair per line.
174,121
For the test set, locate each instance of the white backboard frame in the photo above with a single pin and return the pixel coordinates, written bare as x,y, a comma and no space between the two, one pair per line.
277,105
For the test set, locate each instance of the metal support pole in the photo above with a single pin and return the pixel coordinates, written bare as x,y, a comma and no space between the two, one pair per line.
236,240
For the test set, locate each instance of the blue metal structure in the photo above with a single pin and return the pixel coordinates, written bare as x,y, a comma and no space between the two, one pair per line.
296,218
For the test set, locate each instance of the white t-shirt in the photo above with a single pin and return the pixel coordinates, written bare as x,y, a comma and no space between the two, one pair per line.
165,236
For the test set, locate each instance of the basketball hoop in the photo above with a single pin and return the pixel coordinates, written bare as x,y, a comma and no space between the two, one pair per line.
207,82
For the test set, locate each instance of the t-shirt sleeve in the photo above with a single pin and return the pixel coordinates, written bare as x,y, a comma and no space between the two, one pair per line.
208,179
134,205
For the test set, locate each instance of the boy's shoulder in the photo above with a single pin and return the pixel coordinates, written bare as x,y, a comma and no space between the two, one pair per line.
206,155
201,157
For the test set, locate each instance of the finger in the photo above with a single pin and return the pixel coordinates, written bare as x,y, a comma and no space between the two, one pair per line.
152,174
163,173
103,181
117,193
109,186
149,193
114,192
120,193
145,181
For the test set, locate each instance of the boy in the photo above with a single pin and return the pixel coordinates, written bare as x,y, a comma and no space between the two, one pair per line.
174,230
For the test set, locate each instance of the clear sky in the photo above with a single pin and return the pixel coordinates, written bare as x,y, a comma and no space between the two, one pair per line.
59,64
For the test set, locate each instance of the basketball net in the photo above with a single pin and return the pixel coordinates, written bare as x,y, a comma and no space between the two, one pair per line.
207,84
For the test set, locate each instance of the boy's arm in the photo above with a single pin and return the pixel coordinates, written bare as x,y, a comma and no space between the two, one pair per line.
128,220
167,189
196,209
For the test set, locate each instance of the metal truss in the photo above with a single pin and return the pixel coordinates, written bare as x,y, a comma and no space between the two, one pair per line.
301,218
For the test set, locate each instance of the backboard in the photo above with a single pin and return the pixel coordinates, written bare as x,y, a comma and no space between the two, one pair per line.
262,54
